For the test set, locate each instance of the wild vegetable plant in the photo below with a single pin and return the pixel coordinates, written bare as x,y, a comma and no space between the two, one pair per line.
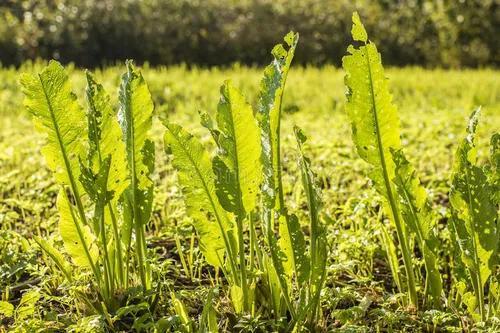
375,130
474,221
237,202
103,163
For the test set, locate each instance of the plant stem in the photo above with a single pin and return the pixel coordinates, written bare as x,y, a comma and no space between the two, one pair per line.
243,268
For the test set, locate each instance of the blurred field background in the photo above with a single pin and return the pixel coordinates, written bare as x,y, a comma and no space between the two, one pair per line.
90,33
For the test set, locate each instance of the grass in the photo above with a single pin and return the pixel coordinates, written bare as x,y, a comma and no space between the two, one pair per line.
433,104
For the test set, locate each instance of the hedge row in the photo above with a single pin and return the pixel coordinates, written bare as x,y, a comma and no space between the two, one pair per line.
217,32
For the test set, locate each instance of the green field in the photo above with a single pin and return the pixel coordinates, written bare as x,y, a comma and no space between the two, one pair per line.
359,292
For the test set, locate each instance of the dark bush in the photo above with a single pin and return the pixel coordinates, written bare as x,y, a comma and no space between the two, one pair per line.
218,32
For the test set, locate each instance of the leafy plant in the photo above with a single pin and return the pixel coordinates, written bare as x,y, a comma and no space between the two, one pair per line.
102,162
375,130
24,310
222,197
475,217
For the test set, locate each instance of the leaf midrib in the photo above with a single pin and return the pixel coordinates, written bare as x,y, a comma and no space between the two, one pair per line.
392,202
70,175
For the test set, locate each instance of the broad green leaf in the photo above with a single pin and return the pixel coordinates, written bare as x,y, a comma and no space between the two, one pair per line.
375,130
417,214
79,241
474,214
26,307
105,138
374,118
269,116
56,256
197,179
56,112
236,164
6,309
471,303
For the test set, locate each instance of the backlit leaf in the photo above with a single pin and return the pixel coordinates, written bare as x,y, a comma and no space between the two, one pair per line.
56,112
197,179
269,115
135,116
474,214
237,163
6,309
26,306
79,241
375,130
105,138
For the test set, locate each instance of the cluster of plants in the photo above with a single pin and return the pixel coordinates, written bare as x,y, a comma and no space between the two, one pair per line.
270,264
219,32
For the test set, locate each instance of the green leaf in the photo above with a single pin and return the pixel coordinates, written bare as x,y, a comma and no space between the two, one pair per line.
208,320
358,30
6,309
56,112
181,311
105,138
56,256
274,281
318,242
79,241
293,246
269,116
236,164
474,214
417,214
237,298
135,117
375,130
197,179
374,118
26,307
